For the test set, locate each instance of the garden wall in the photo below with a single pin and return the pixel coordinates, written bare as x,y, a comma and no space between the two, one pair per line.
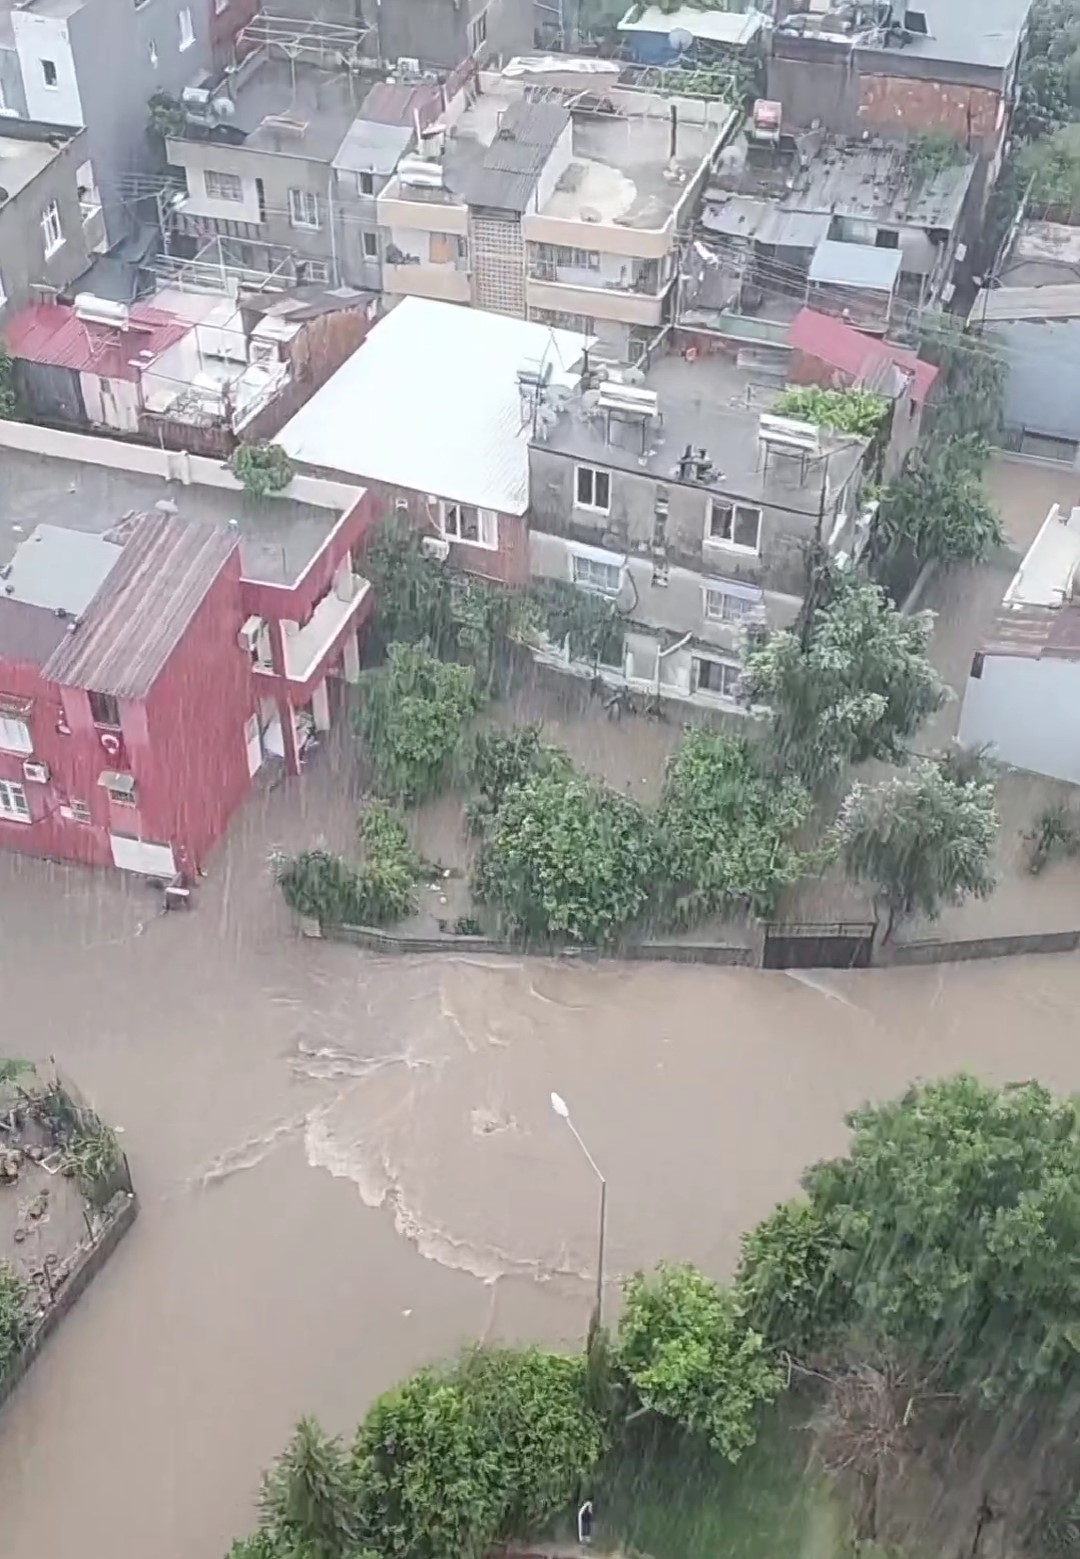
119,1216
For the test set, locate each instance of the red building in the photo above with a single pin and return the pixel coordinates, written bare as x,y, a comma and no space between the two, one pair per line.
148,670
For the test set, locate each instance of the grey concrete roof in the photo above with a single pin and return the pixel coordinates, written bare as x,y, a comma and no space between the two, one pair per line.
1042,387
59,570
278,537
1036,303
855,265
970,32
309,109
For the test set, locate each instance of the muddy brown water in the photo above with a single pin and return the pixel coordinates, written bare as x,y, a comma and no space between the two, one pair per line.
349,1166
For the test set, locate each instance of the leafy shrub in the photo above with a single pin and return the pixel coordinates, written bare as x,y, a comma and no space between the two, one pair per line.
725,829
1056,832
564,857
319,885
385,885
413,719
14,1316
262,468
689,1355
502,759
846,411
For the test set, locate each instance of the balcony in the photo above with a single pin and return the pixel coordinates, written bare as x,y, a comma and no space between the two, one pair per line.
447,283
596,301
308,647
93,226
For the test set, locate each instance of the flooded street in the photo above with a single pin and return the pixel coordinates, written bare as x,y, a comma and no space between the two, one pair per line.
348,1165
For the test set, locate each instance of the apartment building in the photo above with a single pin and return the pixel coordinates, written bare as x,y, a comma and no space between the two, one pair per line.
94,65
679,495
565,206
51,220
162,636
442,33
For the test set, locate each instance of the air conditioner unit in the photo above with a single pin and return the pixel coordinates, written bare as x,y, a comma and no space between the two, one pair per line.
35,771
248,637
435,547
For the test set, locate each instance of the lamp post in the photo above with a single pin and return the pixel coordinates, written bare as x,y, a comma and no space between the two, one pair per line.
562,1110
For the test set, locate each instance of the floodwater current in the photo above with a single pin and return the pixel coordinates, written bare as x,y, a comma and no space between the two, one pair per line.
350,1165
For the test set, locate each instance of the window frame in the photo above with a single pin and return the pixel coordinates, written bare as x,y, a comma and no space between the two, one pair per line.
297,197
365,177
698,660
451,515
187,31
14,807
54,84
23,751
592,472
53,245
733,507
745,607
372,253
80,811
225,180
107,703
597,586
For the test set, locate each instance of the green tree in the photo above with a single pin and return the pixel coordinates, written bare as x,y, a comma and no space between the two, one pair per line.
852,682
263,469
502,759
413,594
453,1461
845,411
318,885
969,395
921,840
385,884
956,1215
14,1316
938,506
307,1497
725,828
565,857
9,400
787,1279
688,1354
413,718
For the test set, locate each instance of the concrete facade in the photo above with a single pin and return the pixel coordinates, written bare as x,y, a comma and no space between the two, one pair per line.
42,170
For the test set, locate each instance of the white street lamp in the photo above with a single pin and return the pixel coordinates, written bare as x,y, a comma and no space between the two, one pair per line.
562,1110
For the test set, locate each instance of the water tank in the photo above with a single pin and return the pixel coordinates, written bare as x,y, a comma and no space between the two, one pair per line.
101,311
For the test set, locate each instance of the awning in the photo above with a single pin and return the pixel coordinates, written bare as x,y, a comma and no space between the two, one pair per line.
16,708
735,587
855,265
111,779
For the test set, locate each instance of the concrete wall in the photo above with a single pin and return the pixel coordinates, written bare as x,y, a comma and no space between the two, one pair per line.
779,566
1042,387
120,1216
22,240
1028,711
436,32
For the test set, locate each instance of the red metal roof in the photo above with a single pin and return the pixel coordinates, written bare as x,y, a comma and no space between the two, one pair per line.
847,349
51,333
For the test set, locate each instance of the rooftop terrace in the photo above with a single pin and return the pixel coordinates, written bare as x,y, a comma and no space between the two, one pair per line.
298,110
278,537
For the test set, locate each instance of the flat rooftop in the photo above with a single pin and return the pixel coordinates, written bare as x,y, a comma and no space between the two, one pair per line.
1037,616
314,109
278,537
832,177
961,32
621,167
21,161
704,404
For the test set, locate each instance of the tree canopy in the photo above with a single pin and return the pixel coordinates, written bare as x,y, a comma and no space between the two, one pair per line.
938,504
688,1354
947,1236
853,682
846,411
412,720
922,840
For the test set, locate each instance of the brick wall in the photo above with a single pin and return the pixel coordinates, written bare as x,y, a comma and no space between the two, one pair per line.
892,103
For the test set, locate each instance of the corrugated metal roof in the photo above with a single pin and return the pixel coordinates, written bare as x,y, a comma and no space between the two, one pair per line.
398,102
430,403
506,175
855,265
139,615
839,344
52,333
730,27
1061,301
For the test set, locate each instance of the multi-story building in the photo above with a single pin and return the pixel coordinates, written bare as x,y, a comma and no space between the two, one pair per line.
159,641
94,65
51,222
880,68
442,33
552,203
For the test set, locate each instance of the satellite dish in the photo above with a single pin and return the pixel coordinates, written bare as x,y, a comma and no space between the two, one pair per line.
680,40
223,107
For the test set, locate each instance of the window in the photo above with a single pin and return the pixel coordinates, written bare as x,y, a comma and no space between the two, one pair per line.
13,805
52,228
120,788
303,209
592,489
719,677
464,522
187,29
105,710
886,238
318,271
223,186
371,245
735,525
48,73
365,184
80,811
477,32
14,734
593,573
723,607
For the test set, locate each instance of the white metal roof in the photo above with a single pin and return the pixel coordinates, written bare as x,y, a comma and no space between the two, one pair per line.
855,265
430,402
1058,301
731,27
